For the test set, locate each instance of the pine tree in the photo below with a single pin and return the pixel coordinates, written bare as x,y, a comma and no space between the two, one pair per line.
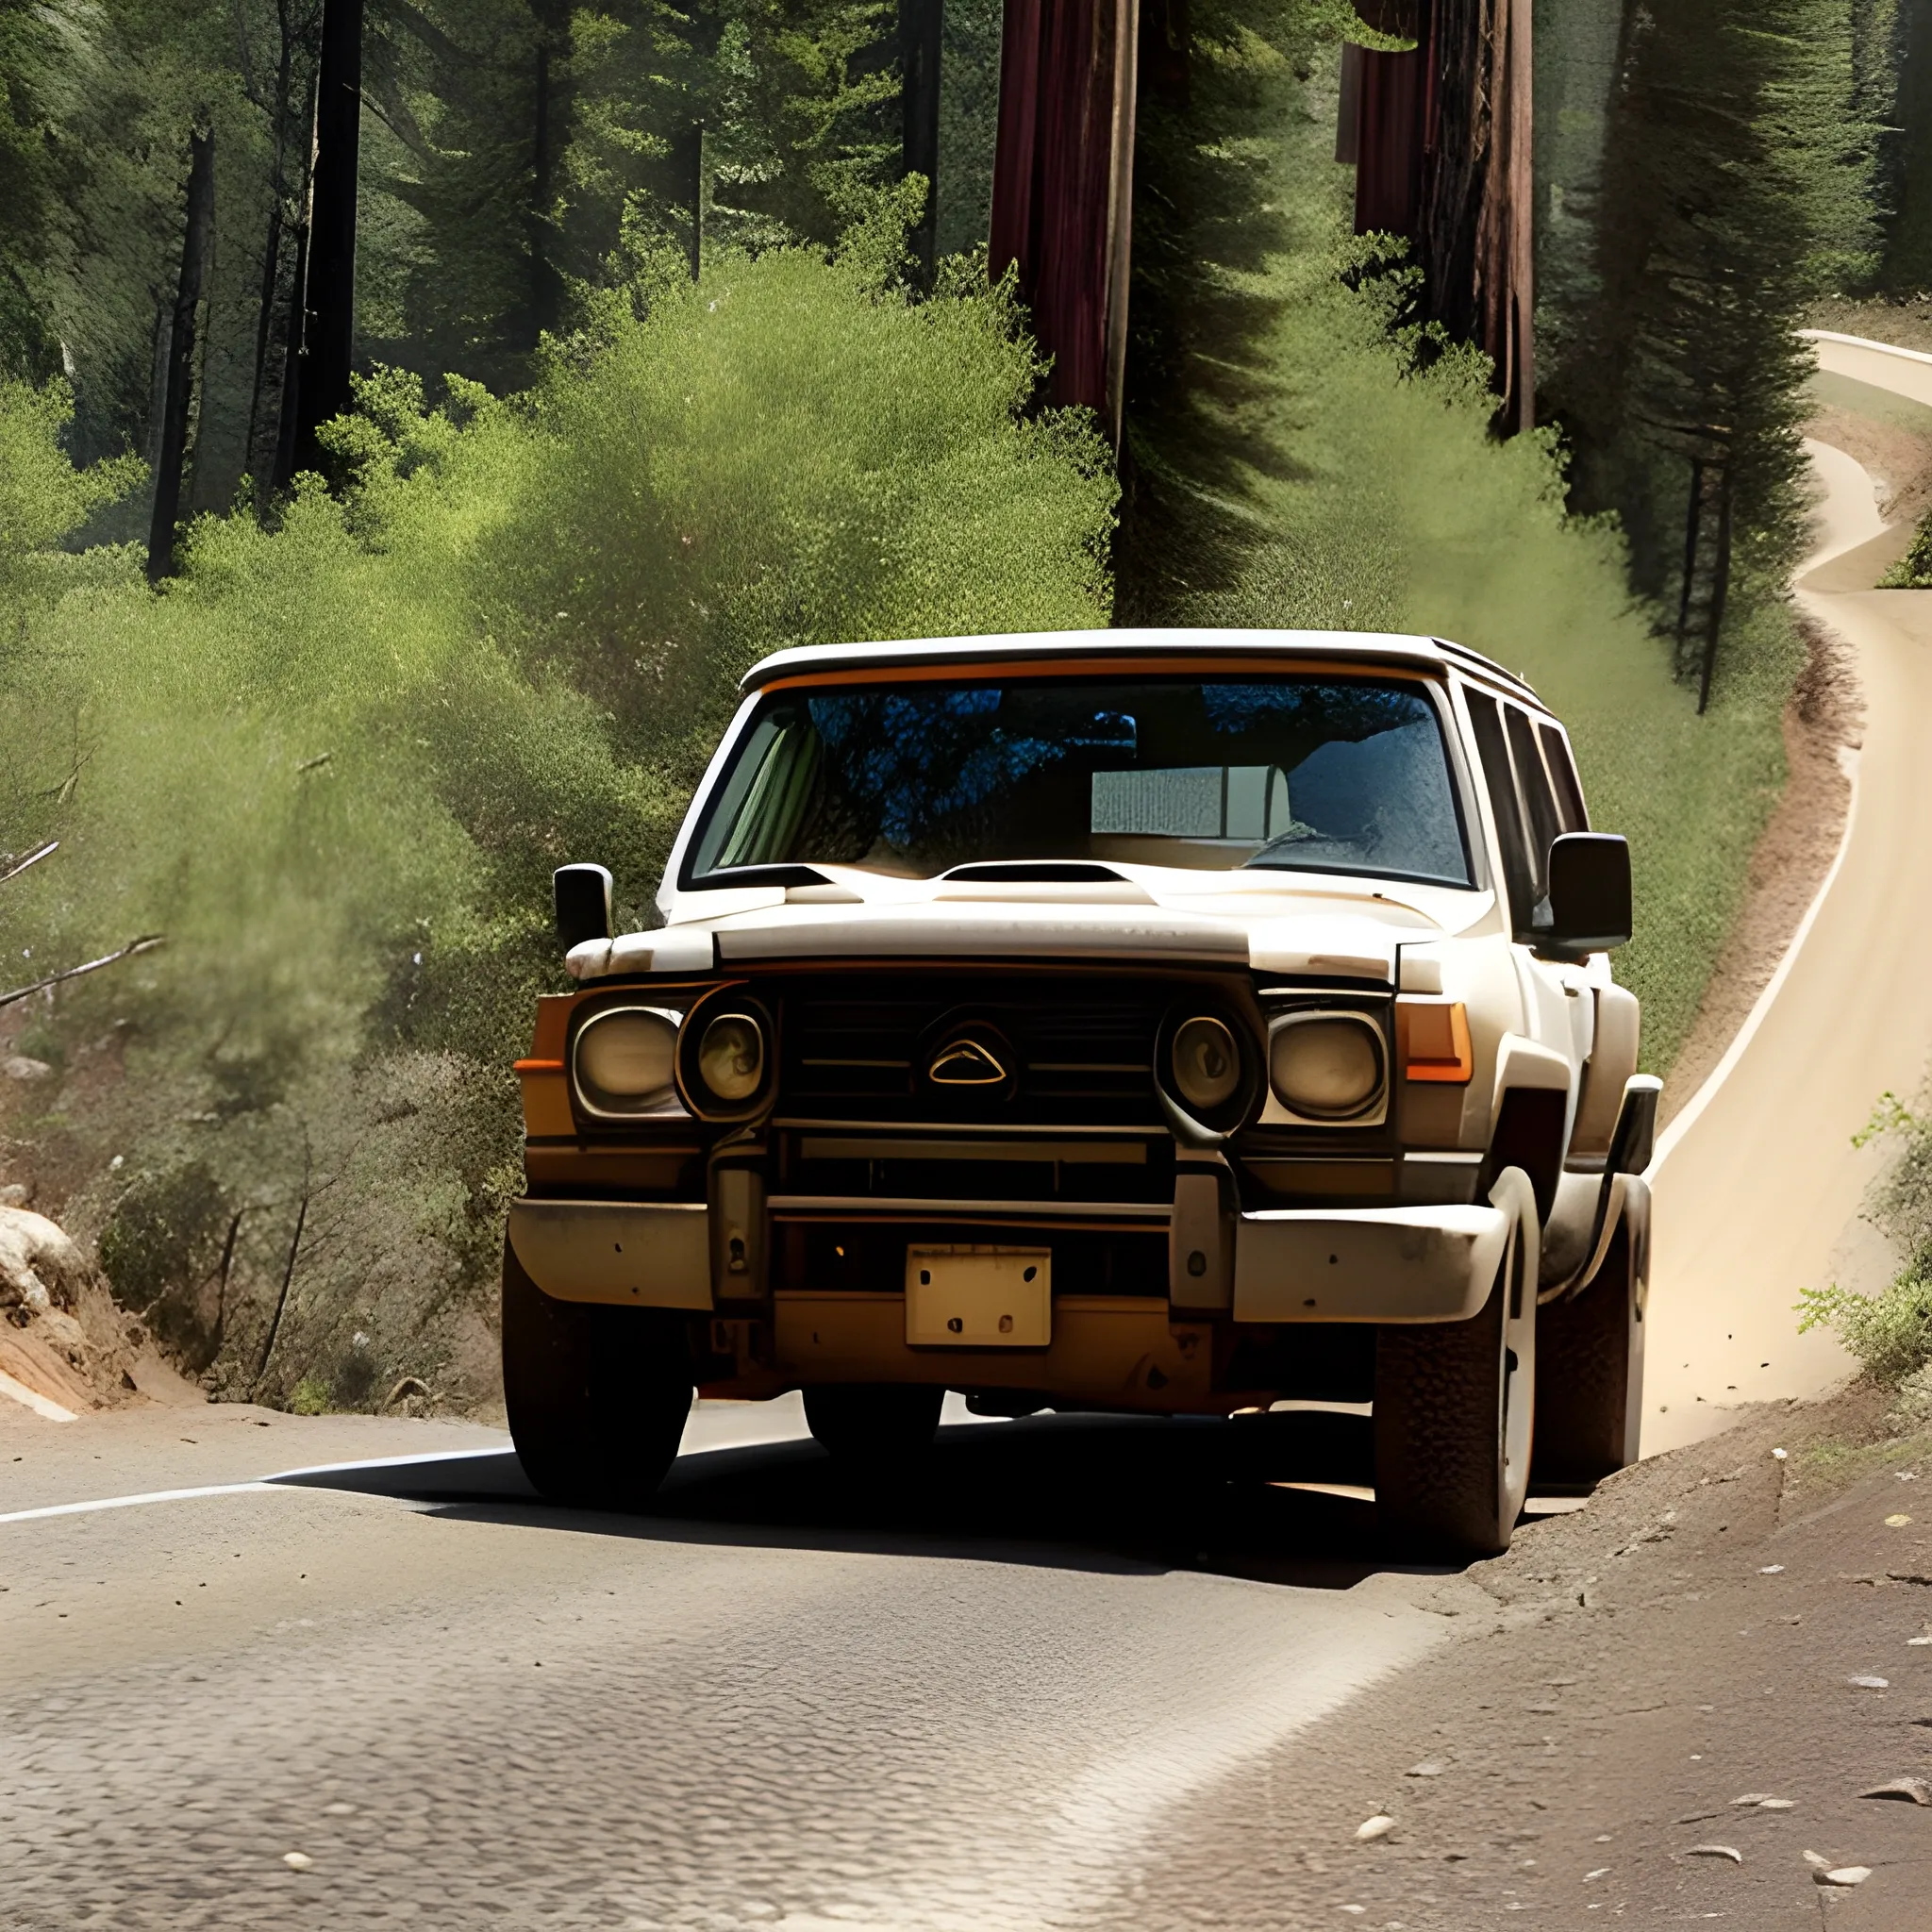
1736,184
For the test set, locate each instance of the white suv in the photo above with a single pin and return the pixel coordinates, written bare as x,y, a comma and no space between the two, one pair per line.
1170,1022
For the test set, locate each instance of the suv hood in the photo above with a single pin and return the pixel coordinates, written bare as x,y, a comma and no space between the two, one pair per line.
1340,928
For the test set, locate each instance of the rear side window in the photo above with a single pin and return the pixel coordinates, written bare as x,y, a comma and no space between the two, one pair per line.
1486,717
1539,795
1570,806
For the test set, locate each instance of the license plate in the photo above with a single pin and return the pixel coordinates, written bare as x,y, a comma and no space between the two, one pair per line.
978,1297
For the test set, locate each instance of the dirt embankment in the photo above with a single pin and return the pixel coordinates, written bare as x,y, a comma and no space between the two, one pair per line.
1665,1705
62,1337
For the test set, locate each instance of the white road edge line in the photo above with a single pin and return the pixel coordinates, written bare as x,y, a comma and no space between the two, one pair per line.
281,1478
32,1398
1686,1118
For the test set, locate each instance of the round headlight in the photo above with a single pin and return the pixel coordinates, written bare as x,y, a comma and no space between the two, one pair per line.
623,1059
1328,1067
731,1057
1206,1063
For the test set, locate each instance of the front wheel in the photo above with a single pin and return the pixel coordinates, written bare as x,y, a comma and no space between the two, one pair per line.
597,1396
1455,1402
877,1423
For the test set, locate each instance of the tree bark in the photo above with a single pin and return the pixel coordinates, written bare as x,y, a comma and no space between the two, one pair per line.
282,109
689,161
288,427
1720,590
264,320
1062,189
328,296
919,26
546,283
174,415
1694,535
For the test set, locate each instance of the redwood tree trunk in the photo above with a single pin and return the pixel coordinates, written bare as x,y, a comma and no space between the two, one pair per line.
328,295
1444,157
919,25
1063,185
175,409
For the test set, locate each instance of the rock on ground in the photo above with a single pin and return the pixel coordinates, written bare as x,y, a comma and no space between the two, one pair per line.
61,1334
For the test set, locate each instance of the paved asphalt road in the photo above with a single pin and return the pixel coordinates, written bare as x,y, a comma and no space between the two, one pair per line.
788,1699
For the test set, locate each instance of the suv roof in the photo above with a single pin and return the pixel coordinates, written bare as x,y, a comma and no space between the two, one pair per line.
1370,647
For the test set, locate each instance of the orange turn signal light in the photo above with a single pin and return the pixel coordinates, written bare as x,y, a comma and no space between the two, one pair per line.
1433,1042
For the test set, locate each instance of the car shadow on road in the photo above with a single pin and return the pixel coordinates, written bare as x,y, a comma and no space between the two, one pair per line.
1105,1493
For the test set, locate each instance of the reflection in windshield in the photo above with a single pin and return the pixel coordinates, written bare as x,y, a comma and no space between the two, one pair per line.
1326,775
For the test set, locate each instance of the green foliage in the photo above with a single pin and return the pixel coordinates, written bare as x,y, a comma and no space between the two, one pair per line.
1913,570
1889,1333
1301,453
43,498
798,468
336,763
311,1396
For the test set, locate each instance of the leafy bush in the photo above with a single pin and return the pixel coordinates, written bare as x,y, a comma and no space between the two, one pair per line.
336,763
1889,1333
42,497
1913,570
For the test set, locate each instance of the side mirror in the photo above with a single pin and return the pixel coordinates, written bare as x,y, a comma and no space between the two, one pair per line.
1590,893
583,904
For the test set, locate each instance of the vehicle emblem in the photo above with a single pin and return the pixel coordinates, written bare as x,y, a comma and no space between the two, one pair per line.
965,1064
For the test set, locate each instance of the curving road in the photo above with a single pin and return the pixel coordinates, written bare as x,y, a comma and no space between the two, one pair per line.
1757,1186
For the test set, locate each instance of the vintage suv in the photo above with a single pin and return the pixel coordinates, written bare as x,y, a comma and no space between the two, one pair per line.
1169,1022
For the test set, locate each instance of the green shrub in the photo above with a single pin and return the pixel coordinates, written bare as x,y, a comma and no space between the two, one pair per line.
42,497
335,764
311,1396
1913,570
1889,1333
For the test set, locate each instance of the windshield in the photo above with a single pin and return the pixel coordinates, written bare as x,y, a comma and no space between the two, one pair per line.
1318,773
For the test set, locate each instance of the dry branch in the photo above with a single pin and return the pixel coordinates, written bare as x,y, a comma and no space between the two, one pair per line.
13,872
145,944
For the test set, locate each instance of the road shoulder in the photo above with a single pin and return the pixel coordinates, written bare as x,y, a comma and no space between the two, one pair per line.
1624,1675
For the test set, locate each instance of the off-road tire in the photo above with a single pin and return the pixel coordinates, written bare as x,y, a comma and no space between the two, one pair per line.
1455,1405
874,1423
597,1396
1590,1374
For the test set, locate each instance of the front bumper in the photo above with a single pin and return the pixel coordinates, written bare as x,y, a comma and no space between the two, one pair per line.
642,1255
1430,1263
1372,1264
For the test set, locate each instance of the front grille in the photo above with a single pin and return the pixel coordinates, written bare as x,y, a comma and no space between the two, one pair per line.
857,1048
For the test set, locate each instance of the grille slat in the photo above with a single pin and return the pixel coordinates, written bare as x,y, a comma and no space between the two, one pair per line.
1083,1056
